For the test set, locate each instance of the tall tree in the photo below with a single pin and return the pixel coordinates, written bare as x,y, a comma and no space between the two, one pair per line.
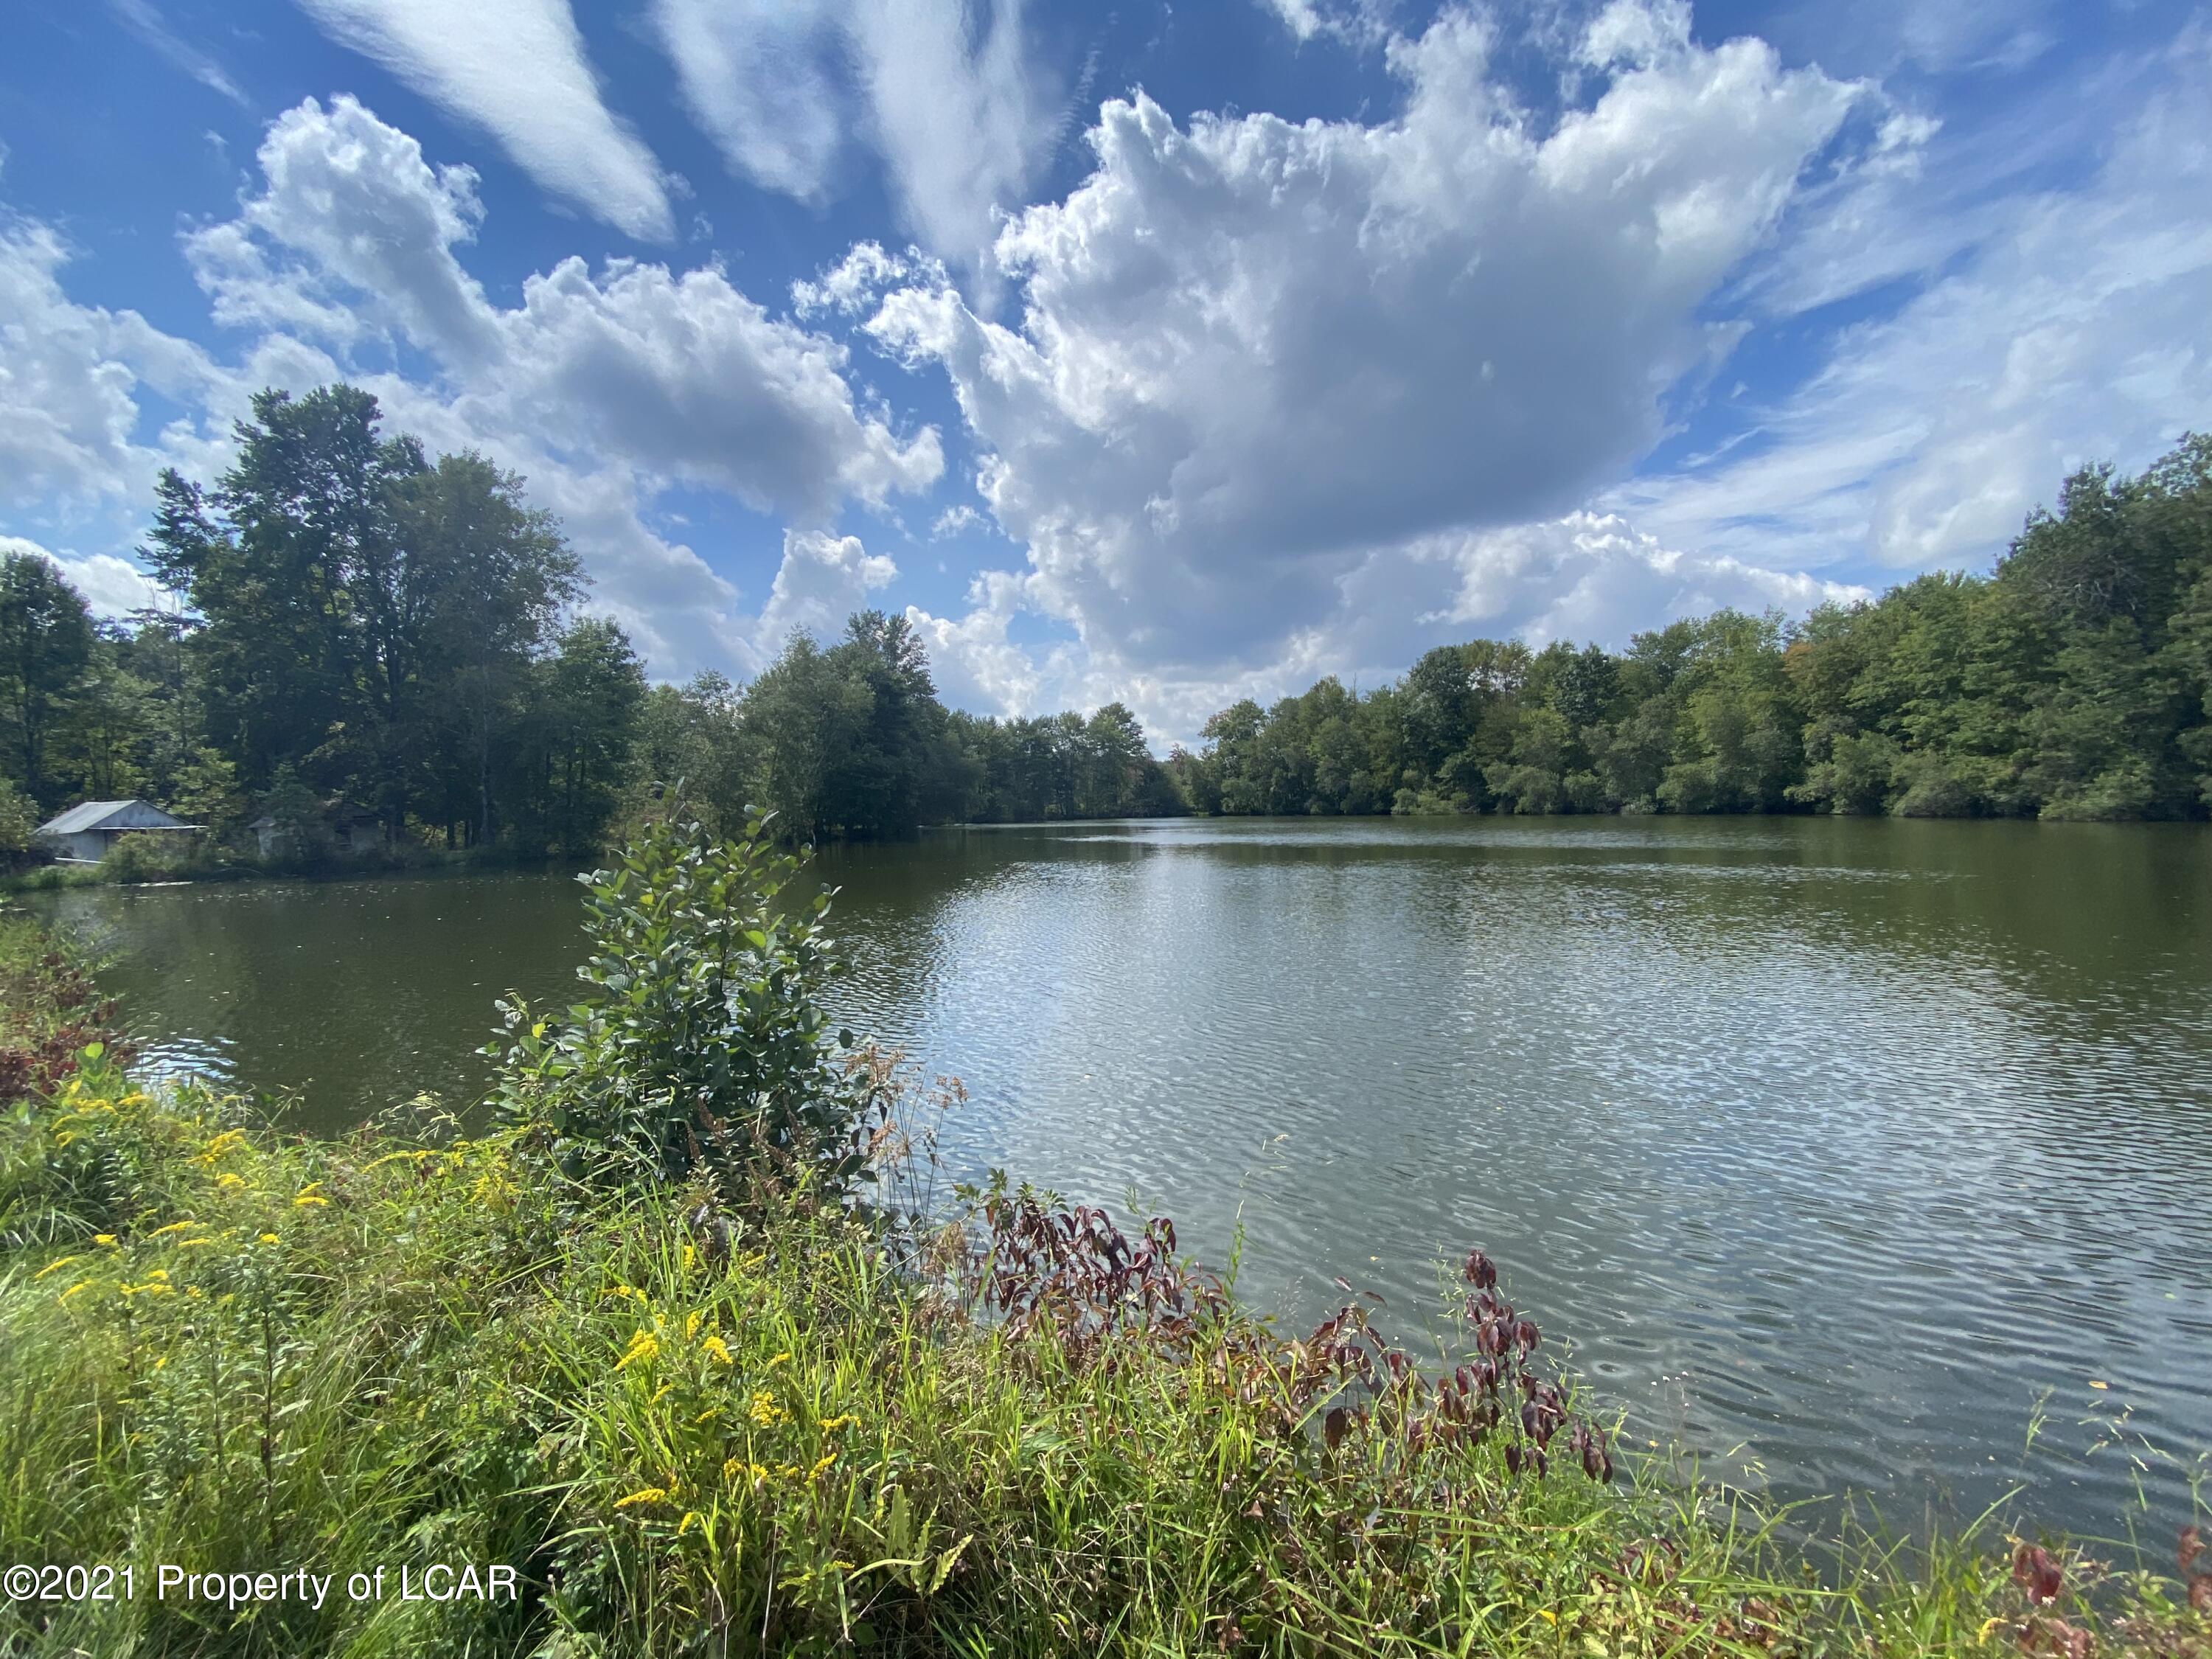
295,568
480,582
45,646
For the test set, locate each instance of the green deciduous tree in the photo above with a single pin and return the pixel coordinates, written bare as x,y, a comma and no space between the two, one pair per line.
45,649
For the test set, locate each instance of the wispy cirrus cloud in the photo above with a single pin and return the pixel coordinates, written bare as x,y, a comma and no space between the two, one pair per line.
945,91
517,70
145,20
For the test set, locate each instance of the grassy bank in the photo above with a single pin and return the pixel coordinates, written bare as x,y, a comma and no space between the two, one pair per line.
669,1348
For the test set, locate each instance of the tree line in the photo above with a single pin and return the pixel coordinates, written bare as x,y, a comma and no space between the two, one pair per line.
2072,681
353,621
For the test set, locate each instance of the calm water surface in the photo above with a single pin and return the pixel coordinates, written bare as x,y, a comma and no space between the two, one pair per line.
1829,1147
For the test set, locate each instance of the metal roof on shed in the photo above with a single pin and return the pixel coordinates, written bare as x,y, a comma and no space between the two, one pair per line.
111,815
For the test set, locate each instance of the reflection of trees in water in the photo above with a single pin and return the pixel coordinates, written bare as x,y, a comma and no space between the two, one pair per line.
357,995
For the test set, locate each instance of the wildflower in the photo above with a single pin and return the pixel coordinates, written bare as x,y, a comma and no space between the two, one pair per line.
644,1348
173,1227
310,1196
622,1290
643,1495
765,1412
269,1238
821,1464
230,1181
74,1289
780,1359
690,1519
54,1267
193,1243
691,1323
828,1424
717,1349
662,1393
226,1142
1988,1625
691,1254
160,1274
1548,1617
105,1241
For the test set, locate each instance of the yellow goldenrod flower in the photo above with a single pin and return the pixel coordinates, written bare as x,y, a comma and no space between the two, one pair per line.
173,1227
662,1393
269,1238
105,1241
230,1181
690,1256
310,1198
830,1424
765,1412
690,1520
226,1142
1548,1617
820,1464
1988,1625
691,1323
783,1359
643,1495
717,1349
644,1348
161,1274
54,1267
74,1289
193,1243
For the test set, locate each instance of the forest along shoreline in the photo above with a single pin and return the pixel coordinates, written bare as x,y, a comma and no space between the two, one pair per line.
419,676
682,1343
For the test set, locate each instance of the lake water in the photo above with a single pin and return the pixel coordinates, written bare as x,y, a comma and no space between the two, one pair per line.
1829,1147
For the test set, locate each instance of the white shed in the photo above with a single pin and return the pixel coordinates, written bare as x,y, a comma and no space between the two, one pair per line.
85,832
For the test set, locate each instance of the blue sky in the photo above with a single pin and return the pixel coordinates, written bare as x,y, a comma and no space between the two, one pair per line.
1170,353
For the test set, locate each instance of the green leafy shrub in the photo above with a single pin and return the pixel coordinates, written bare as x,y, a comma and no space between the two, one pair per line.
702,1042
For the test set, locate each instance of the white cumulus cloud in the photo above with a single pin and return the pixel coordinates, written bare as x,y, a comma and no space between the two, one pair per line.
113,586
604,389
1251,352
822,579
